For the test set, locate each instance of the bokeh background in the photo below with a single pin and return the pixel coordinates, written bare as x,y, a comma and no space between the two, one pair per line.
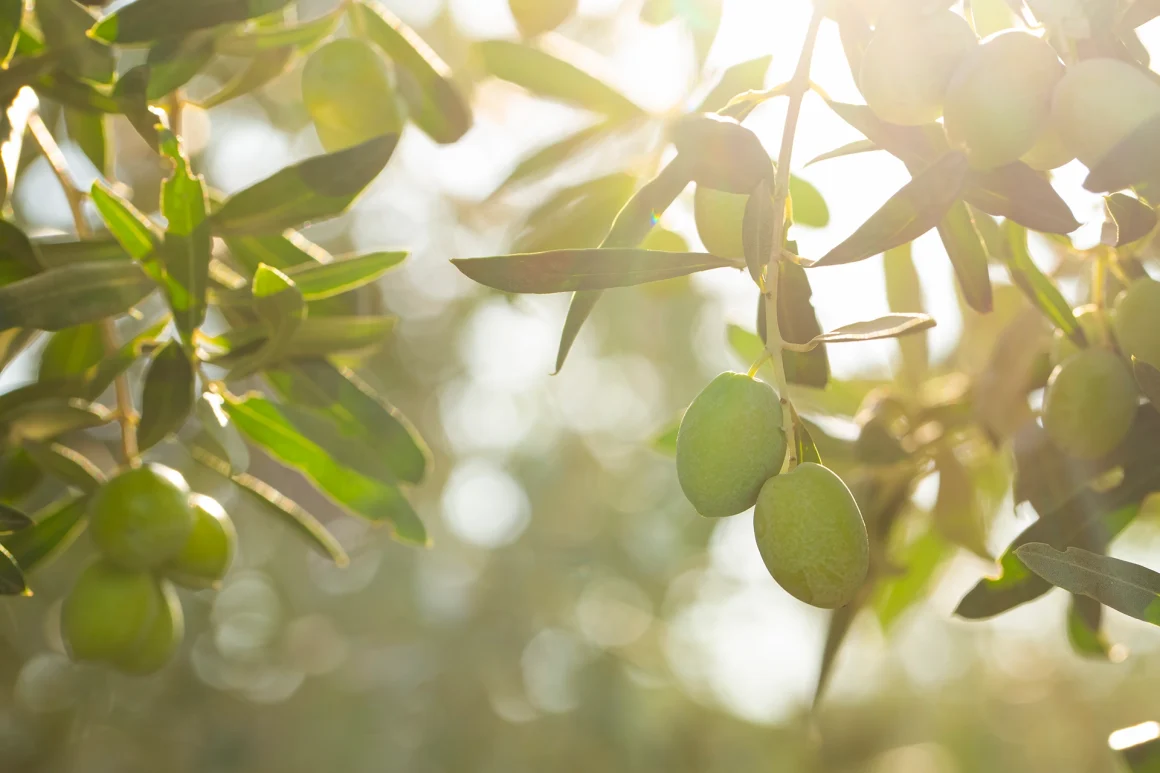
574,613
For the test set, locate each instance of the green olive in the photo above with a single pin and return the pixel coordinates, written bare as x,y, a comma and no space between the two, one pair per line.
1137,321
108,612
1099,102
909,63
812,537
719,216
1090,404
348,93
999,100
730,442
141,518
1049,151
160,639
207,554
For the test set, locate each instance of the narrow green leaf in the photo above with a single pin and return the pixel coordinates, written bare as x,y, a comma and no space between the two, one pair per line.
148,20
805,450
968,256
1133,160
173,62
356,409
167,395
1121,585
131,92
798,322
188,244
11,14
551,156
434,102
305,35
665,441
314,337
12,582
42,420
840,621
264,424
87,130
890,326
809,208
136,233
284,251
278,302
1039,289
56,527
630,228
1084,619
64,24
71,352
919,206
315,189
577,216
1148,378
904,295
63,297
722,154
757,231
849,149
593,269
744,76
547,76
18,258
957,515
277,503
317,282
919,560
62,253
61,87
67,465
12,520
1133,218
260,70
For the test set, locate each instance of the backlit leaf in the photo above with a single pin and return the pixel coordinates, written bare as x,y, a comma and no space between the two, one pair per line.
64,24
744,76
1121,585
67,465
968,256
147,20
71,352
1133,218
260,70
249,42
757,231
1135,159
890,326
1040,290
136,233
188,244
12,520
55,528
73,295
167,395
721,153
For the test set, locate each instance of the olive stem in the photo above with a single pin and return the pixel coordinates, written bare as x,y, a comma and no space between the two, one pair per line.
798,87
76,202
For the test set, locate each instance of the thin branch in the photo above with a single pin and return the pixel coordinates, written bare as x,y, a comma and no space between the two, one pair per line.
76,202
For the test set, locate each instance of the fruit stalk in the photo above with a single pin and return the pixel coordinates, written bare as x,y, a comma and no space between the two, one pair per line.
797,91
76,198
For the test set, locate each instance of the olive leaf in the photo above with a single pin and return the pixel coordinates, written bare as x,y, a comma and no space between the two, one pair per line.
147,20
64,24
577,216
262,68
11,14
799,324
167,395
1121,585
968,256
548,76
255,40
61,253
187,246
137,234
433,101
55,527
12,520
87,130
71,352
1084,621
315,189
1040,290
757,230
589,269
83,292
741,77
1133,160
172,63
723,154
265,424
67,465
220,437
917,207
18,258
890,326
1133,219
849,149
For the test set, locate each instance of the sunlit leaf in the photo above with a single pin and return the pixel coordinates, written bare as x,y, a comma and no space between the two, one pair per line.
188,244
136,233
315,189
1135,159
757,231
1084,619
798,324
63,297
264,423
63,253
968,256
167,395
590,269
260,70
741,77
849,149
174,62
249,42
549,157
890,326
1133,218
1038,288
220,437
18,258
919,560
1121,585
64,24
919,206
148,20
578,216
71,352
722,154
535,17
55,528
283,251
904,295
434,102
809,208
67,465
547,76
11,13
87,130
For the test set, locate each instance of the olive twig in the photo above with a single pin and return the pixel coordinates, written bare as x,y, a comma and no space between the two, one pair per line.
76,202
798,87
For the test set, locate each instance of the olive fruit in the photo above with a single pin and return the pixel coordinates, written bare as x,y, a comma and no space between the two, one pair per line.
160,639
999,100
719,216
811,536
348,93
730,442
1090,322
534,17
209,550
1137,321
141,518
1099,102
108,612
909,62
1090,404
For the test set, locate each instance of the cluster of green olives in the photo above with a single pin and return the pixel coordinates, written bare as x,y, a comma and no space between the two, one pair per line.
150,532
730,450
1006,98
1092,397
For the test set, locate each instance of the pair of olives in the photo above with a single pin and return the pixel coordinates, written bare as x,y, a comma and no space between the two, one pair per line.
1092,398
1009,98
150,532
730,449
